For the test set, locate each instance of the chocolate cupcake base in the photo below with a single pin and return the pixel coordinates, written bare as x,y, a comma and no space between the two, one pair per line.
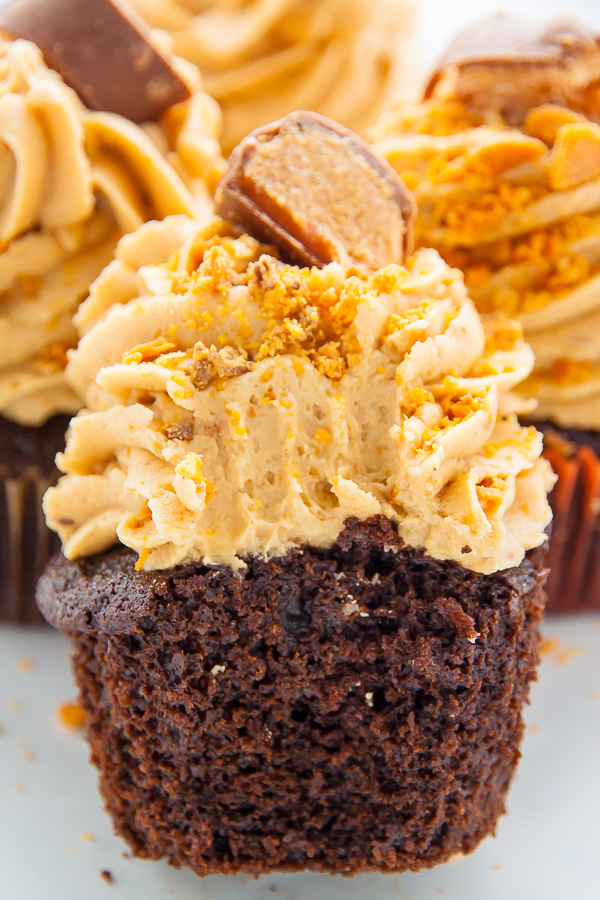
27,470
341,710
574,557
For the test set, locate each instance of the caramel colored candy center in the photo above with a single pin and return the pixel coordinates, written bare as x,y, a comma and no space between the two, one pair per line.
319,193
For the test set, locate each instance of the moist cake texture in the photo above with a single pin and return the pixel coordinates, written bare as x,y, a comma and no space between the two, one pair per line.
344,709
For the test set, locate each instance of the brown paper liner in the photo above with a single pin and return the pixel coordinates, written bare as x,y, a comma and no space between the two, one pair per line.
25,543
574,557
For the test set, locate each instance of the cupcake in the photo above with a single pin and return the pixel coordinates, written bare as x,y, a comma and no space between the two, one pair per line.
75,178
303,531
343,58
504,157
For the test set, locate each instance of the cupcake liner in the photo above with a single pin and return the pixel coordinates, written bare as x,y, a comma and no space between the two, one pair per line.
574,581
26,543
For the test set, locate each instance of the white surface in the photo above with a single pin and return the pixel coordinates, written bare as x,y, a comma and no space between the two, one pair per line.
546,848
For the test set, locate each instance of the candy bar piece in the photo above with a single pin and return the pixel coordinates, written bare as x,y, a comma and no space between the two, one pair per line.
319,193
511,64
102,50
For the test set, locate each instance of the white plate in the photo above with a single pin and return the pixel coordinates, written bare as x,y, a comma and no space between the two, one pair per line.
546,848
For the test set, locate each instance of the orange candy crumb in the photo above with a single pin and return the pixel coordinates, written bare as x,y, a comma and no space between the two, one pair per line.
71,715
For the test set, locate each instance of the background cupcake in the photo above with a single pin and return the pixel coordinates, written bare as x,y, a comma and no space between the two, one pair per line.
73,181
504,159
331,530
343,58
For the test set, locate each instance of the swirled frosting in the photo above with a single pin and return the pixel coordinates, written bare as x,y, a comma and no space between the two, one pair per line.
518,210
261,59
237,405
72,182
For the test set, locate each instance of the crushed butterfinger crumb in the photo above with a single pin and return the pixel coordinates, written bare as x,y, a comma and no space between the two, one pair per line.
560,654
24,664
149,351
71,715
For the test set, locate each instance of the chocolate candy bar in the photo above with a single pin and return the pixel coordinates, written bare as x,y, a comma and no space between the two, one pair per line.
103,51
511,64
319,193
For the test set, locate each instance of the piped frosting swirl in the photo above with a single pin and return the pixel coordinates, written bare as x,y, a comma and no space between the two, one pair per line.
237,405
517,208
72,182
343,58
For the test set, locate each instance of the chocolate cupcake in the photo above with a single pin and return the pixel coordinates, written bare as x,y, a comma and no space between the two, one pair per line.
504,157
312,648
75,178
343,58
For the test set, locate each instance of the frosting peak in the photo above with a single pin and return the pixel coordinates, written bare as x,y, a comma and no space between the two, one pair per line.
237,405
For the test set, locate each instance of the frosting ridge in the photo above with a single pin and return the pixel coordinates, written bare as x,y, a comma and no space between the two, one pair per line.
517,208
237,405
72,182
261,60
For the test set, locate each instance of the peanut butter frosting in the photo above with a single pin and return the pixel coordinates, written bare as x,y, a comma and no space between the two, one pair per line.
517,208
262,58
238,405
72,182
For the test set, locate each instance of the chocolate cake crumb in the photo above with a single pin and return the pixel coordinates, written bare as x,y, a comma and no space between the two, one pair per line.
182,431
332,743
107,876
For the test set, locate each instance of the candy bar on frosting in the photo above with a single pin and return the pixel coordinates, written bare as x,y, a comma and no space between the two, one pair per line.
319,193
103,51
512,64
